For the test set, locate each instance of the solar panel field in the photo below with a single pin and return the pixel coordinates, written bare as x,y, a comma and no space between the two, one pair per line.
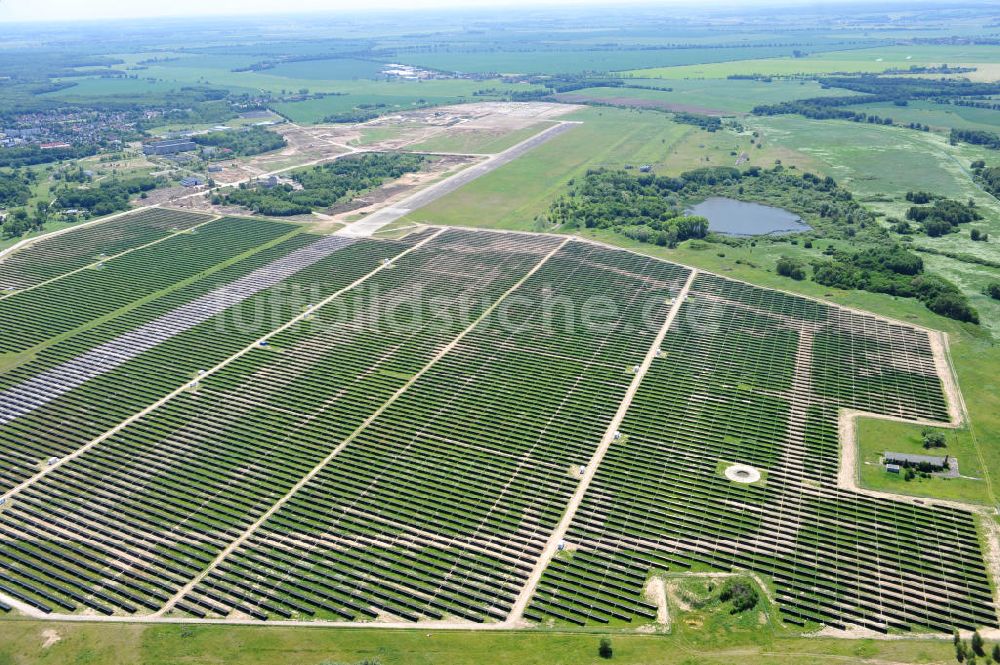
253,422
54,255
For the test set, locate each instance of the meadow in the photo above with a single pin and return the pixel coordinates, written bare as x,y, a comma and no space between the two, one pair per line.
21,643
880,436
512,196
880,164
937,116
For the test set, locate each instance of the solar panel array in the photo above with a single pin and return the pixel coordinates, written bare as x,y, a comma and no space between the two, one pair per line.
126,385
49,257
757,377
406,450
25,397
58,307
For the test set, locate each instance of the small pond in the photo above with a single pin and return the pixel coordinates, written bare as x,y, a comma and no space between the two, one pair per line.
739,218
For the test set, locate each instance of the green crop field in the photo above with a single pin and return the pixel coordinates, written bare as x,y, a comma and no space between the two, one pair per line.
560,61
325,70
708,94
860,60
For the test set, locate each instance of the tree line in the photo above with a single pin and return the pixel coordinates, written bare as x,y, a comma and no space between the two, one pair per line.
250,141
15,187
109,196
635,206
886,269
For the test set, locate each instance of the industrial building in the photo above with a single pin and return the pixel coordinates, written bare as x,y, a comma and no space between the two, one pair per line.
169,147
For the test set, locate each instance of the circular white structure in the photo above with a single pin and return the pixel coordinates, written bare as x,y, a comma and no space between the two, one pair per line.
741,473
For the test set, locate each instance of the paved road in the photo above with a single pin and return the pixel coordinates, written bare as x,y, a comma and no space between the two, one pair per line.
377,220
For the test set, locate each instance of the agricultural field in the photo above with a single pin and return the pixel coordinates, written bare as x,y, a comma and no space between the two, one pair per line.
874,60
564,60
702,96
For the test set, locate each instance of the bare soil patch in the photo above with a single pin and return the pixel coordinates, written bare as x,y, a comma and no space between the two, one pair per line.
50,637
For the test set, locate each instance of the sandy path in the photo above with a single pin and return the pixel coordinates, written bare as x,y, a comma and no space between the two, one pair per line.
656,593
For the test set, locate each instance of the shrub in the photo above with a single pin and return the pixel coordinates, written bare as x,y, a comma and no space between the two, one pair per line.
604,649
993,290
954,306
933,439
977,644
788,267
936,228
743,595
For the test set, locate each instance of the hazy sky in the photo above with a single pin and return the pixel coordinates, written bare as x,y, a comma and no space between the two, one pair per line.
73,10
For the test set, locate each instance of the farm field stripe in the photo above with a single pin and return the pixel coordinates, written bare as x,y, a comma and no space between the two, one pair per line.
152,407
552,546
110,258
25,397
236,543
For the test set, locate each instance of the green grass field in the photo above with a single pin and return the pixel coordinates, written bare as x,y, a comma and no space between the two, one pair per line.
859,60
79,643
324,70
880,164
89,88
937,116
561,61
879,436
513,195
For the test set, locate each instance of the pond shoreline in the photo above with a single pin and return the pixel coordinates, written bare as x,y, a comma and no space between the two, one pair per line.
746,219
